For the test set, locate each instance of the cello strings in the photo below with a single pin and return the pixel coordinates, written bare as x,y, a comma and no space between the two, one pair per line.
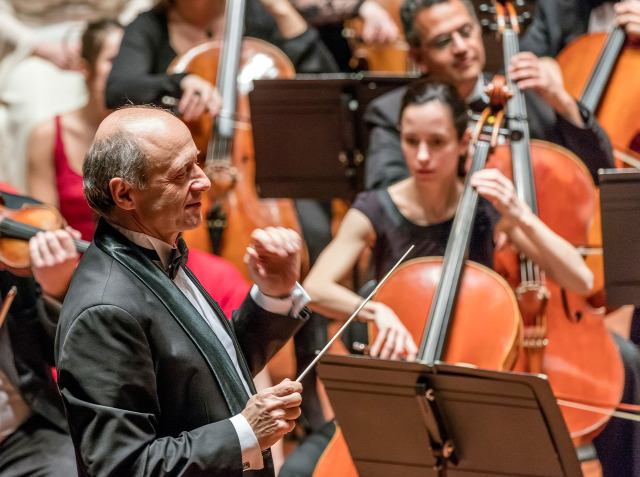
355,313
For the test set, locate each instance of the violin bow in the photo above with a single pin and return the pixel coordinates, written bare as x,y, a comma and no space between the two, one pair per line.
6,304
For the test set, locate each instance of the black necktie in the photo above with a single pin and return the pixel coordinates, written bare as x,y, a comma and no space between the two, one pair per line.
178,258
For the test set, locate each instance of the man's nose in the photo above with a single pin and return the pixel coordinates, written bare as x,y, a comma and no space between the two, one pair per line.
459,44
201,181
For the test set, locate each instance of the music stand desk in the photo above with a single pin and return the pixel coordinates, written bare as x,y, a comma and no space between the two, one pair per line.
620,210
500,423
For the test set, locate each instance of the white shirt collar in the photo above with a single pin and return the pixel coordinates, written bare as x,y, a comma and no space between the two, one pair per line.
163,249
478,92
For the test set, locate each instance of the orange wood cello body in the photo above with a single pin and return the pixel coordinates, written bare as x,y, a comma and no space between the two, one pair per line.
564,338
580,359
583,62
616,108
488,340
244,210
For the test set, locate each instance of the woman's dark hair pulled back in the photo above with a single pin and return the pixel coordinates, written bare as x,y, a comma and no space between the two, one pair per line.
94,36
425,90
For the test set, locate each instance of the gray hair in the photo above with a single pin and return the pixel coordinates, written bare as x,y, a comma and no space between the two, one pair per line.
410,9
119,155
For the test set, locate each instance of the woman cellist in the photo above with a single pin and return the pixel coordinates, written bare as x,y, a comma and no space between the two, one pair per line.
419,210
156,37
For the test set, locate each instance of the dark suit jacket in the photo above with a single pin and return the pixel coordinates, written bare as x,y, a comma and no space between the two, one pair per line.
385,163
31,327
556,23
147,386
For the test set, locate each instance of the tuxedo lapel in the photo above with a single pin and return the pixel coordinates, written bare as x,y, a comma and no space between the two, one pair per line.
227,326
114,244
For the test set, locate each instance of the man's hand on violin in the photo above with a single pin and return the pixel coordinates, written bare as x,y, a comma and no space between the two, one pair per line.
53,260
273,260
628,17
393,340
198,96
544,76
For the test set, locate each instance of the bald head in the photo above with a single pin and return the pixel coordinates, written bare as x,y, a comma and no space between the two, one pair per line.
119,149
135,120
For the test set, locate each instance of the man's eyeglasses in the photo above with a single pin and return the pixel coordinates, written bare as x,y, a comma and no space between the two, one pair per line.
444,41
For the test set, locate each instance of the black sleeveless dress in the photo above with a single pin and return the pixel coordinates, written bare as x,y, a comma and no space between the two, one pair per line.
395,233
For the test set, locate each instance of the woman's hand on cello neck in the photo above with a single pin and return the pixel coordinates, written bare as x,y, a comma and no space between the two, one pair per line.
558,258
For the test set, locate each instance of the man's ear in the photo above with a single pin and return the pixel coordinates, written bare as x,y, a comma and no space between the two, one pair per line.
122,193
416,57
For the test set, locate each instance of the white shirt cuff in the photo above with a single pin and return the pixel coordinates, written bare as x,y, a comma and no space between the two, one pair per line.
291,305
251,455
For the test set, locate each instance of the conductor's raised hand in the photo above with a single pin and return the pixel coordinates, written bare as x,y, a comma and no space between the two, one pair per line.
272,412
273,260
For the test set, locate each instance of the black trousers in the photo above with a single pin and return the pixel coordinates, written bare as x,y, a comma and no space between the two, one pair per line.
37,449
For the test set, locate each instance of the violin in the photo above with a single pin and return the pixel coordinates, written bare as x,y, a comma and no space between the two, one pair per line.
17,226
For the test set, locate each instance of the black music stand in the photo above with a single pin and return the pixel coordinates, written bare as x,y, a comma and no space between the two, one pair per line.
620,209
414,419
309,135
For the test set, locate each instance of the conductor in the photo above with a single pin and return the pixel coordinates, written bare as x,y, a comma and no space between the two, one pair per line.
154,378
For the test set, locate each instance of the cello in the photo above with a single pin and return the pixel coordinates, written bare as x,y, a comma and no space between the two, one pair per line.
226,143
562,332
454,291
598,68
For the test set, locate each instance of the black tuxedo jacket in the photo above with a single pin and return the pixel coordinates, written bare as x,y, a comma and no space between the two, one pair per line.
385,163
147,386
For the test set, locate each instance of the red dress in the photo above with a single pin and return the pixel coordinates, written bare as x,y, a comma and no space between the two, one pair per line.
220,278
73,206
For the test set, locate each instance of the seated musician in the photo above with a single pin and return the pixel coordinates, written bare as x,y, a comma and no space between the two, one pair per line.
446,42
156,37
419,211
57,146
34,436
556,24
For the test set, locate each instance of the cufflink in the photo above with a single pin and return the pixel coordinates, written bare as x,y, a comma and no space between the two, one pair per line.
245,466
